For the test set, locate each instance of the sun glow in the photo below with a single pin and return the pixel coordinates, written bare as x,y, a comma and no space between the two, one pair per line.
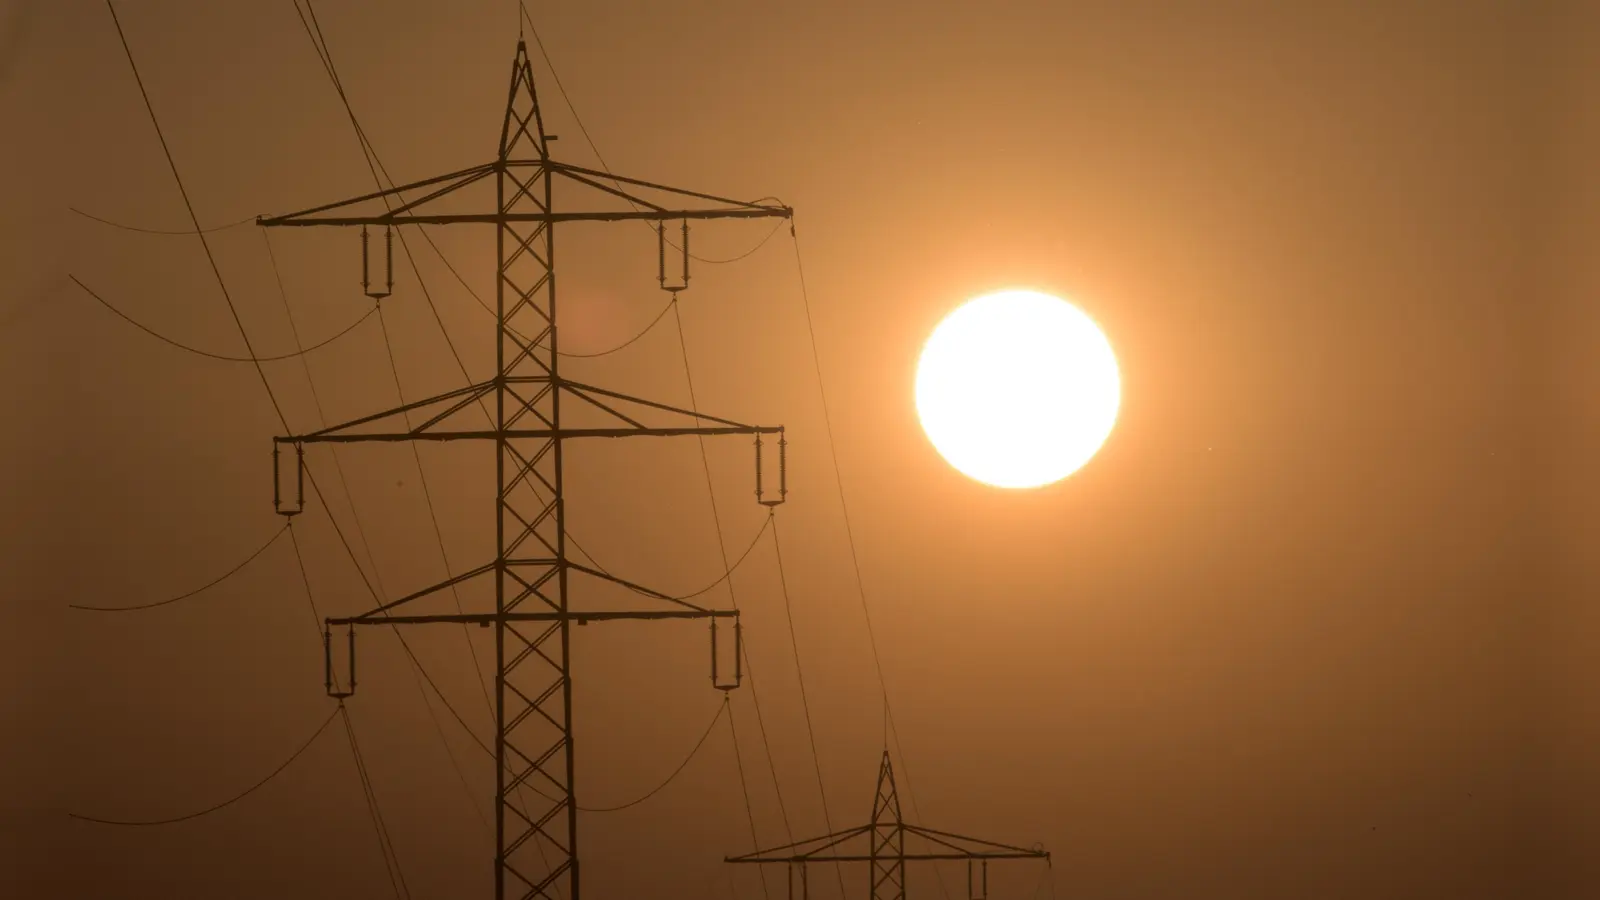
1017,389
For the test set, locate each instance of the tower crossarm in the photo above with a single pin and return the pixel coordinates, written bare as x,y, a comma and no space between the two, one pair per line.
811,850
451,402
526,433
391,613
646,215
907,857
973,848
536,577
425,210
582,618
613,421
442,185
794,853
576,172
636,588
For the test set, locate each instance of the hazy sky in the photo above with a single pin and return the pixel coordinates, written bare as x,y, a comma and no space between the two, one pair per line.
1314,623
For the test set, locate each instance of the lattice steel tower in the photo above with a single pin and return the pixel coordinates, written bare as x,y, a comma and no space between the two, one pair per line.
532,412
885,851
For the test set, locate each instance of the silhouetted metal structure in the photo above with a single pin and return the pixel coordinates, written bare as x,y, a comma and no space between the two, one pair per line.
885,853
531,424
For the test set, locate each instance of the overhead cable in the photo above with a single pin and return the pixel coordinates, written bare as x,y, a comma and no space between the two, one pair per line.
722,550
844,508
524,338
681,766
216,272
218,356
231,800
805,704
204,587
183,231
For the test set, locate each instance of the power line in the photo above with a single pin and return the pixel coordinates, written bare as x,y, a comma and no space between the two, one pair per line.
379,591
681,766
525,339
844,508
322,418
218,356
185,231
744,785
477,741
222,285
625,344
737,257
722,549
805,705
433,515
391,858
419,672
373,165
230,801
1038,885
189,206
369,796
311,600
720,578
184,596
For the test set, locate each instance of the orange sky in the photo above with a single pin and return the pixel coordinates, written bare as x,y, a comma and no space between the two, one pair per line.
1312,624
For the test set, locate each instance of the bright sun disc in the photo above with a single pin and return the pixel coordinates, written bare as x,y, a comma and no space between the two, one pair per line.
1017,389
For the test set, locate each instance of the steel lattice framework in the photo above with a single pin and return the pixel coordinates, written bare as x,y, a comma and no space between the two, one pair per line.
532,412
885,853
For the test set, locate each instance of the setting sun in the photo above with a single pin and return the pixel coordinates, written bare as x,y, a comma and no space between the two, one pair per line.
1017,389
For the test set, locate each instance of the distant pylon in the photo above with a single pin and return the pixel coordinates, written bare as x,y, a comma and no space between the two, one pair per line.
888,838
886,855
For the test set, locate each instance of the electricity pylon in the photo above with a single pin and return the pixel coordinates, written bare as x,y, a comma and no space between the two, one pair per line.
531,411
885,853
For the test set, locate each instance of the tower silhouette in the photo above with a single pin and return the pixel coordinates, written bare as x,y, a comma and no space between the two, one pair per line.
885,851
533,415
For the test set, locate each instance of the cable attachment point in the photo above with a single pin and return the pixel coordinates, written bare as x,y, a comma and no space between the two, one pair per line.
327,664
388,264
783,471
661,243
738,656
297,504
